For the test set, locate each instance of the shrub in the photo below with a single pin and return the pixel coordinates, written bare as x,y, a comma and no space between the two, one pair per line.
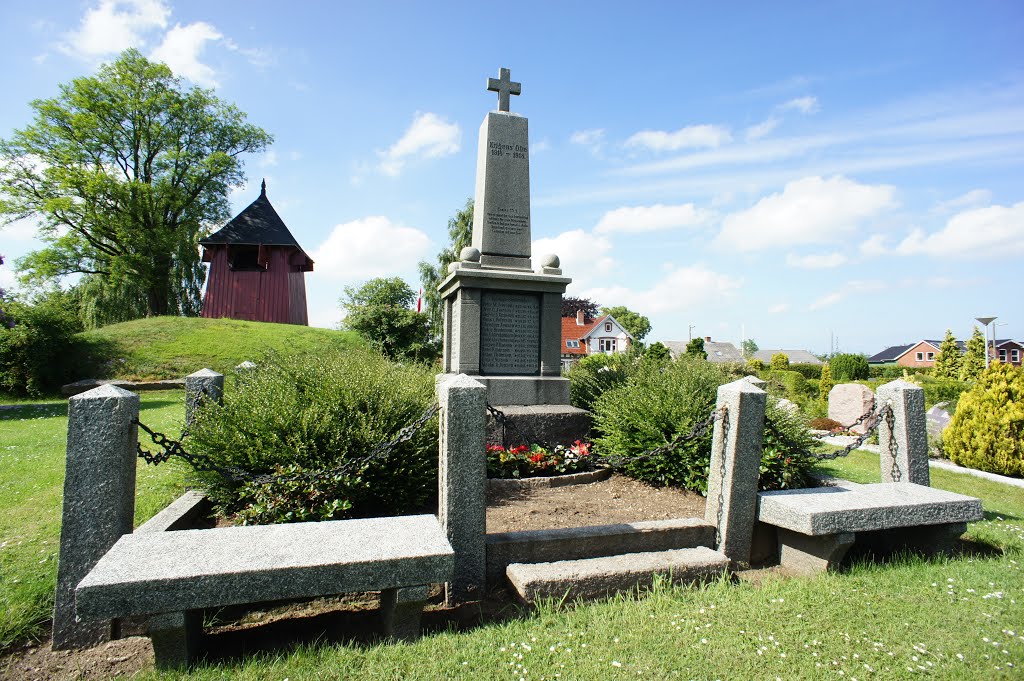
536,461
593,375
826,383
756,364
780,361
822,423
795,386
659,352
894,371
938,390
38,348
302,414
846,367
808,370
652,407
786,458
987,430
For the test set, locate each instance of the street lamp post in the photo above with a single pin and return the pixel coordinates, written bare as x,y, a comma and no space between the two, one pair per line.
986,321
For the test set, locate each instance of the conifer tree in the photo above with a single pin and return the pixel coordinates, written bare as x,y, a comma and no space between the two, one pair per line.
973,361
825,383
949,359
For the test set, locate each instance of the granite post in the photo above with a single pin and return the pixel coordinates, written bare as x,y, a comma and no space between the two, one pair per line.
99,501
462,481
908,435
205,384
735,467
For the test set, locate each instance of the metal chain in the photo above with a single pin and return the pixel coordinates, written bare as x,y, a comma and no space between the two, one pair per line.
860,419
890,422
875,419
174,448
721,479
508,423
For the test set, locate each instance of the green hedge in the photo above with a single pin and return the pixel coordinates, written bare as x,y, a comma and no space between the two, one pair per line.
39,350
808,370
987,431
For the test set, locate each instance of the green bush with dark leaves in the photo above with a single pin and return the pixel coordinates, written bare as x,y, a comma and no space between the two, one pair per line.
593,375
847,367
298,417
39,350
655,405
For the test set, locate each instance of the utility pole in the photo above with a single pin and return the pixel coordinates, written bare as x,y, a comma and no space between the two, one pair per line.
690,333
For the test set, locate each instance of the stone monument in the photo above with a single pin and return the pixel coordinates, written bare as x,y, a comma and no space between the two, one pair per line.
502,319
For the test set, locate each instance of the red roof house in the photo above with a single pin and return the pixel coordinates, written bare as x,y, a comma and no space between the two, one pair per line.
257,268
582,336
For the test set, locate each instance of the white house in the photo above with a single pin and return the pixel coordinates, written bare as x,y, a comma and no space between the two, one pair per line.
582,336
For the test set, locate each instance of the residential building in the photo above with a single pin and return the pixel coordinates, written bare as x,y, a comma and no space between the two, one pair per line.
582,336
718,351
1008,351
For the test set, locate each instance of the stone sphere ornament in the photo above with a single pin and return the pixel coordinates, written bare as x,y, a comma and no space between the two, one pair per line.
550,260
470,254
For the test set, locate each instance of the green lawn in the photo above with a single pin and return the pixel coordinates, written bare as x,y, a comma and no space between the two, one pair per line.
172,347
959,618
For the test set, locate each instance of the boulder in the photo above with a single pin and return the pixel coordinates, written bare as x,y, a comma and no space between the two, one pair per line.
849,401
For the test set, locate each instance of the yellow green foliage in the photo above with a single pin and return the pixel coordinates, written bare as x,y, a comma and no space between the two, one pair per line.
780,360
826,383
987,431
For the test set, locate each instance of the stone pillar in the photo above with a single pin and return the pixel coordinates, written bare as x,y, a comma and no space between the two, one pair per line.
243,370
908,435
735,467
99,501
551,334
205,384
402,612
462,480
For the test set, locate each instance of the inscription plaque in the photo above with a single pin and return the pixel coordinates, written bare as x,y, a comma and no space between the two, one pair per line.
509,334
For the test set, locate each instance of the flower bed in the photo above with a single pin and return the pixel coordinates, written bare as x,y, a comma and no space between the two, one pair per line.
536,461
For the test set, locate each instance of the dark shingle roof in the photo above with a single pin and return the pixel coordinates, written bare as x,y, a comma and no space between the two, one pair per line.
890,354
258,224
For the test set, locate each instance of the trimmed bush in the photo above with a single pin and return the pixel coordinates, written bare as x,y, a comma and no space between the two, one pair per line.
938,390
987,430
808,370
780,361
653,406
894,371
300,414
755,365
593,375
823,423
846,368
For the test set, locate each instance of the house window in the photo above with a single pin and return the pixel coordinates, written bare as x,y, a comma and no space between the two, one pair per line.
572,343
608,326
920,357
1014,355
1002,355
931,356
607,345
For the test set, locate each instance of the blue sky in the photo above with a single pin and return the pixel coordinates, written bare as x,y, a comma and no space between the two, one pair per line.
795,171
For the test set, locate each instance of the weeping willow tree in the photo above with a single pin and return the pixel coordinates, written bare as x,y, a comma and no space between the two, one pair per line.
125,171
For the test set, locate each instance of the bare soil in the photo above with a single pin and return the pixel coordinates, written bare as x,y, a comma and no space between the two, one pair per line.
237,633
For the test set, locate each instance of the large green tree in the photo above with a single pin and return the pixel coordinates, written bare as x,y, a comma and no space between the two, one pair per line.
973,362
749,347
125,171
949,359
379,310
635,323
460,235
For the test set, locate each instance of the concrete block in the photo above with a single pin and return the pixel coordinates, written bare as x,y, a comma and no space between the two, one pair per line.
205,384
735,465
177,638
573,543
539,423
599,577
402,612
181,514
157,572
99,501
908,435
525,390
805,555
462,480
831,510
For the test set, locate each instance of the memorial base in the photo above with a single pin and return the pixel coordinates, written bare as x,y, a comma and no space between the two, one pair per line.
548,424
526,389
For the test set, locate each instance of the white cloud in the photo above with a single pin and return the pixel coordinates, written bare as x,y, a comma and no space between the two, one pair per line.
756,132
539,147
268,159
369,247
856,287
807,211
679,290
816,261
113,26
633,219
991,232
182,47
429,136
971,199
805,105
876,244
692,136
778,309
586,256
587,138
19,230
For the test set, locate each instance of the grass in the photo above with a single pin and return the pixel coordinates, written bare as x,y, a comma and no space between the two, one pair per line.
172,347
959,618
32,445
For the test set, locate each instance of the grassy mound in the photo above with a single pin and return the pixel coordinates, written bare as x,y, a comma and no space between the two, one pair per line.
172,347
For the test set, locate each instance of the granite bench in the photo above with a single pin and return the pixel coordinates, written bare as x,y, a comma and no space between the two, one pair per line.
817,526
172,576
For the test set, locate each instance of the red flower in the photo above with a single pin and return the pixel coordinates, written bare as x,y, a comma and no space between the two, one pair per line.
537,458
519,450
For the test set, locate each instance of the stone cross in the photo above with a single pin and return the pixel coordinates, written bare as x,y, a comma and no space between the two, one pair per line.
504,86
